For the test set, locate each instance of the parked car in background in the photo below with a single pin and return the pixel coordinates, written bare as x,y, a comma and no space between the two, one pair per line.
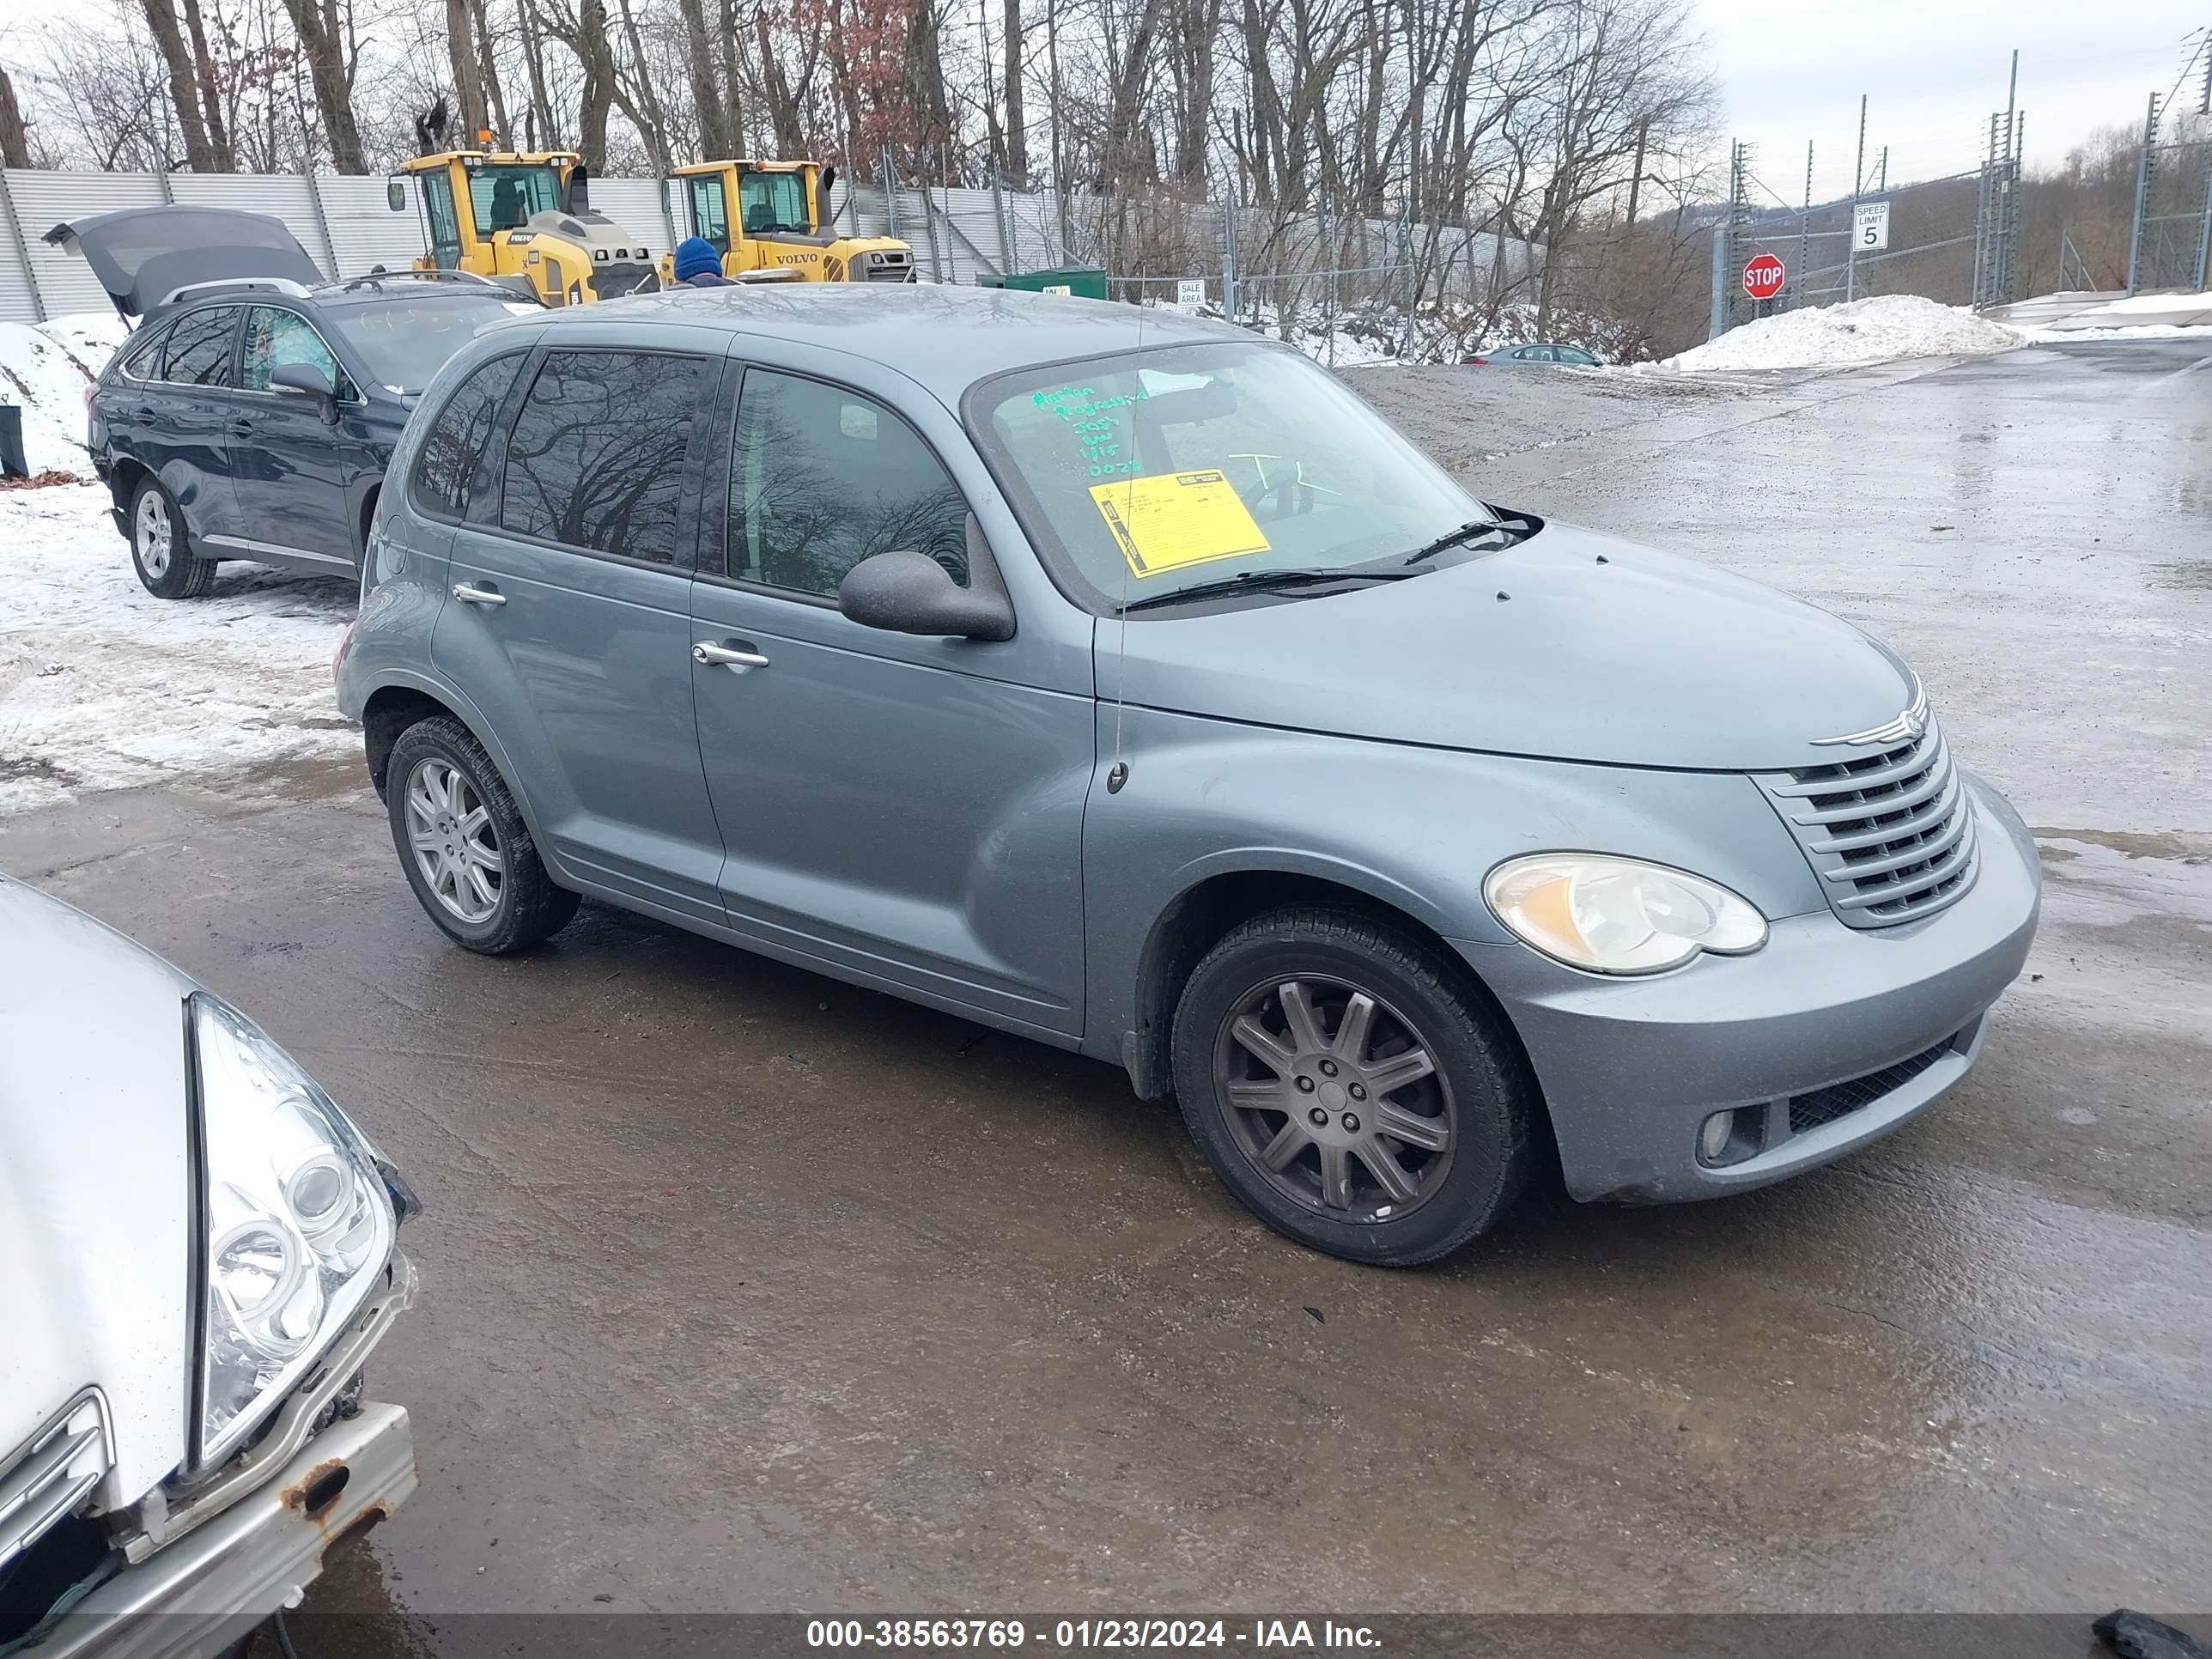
1540,352
1117,679
251,414
200,1256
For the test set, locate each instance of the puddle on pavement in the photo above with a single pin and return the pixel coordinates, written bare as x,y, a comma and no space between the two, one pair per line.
2182,573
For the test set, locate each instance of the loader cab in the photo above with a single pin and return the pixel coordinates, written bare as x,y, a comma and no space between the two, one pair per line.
733,202
470,199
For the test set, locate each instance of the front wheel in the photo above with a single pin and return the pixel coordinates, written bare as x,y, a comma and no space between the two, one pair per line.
1345,1087
463,842
161,549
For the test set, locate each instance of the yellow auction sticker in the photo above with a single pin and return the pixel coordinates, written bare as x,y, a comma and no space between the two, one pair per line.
1169,519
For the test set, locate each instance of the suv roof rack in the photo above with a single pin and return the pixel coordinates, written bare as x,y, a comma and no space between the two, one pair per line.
377,278
284,285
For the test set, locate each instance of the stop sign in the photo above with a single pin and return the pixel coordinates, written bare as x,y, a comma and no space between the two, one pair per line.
1762,277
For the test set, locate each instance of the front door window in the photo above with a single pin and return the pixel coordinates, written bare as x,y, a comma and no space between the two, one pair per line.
710,215
274,338
444,229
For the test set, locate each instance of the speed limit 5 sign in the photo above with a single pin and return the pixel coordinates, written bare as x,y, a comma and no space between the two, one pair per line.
1870,226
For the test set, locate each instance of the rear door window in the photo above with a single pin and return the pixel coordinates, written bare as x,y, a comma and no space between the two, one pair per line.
449,473
198,349
595,460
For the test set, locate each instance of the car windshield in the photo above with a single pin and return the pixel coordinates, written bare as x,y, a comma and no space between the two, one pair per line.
1157,471
407,340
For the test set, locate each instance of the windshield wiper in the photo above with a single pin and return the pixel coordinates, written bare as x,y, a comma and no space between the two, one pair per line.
1466,532
1261,581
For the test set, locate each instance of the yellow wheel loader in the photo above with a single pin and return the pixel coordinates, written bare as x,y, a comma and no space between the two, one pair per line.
769,218
525,220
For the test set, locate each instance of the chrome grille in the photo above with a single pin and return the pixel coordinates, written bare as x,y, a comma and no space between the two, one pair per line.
1889,833
54,1474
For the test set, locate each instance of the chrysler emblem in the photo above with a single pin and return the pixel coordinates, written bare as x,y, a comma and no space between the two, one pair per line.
1907,727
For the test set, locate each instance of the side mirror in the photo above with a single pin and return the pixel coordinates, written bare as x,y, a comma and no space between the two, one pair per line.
395,196
909,593
306,381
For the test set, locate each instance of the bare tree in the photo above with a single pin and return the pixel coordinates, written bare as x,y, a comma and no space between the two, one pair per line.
468,71
322,41
15,134
184,84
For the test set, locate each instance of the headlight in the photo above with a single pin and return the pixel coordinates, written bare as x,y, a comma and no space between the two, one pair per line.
1616,915
298,1223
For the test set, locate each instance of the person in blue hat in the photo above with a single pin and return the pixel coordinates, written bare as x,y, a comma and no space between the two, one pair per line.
697,265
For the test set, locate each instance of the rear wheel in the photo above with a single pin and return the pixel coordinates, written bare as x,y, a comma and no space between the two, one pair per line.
161,549
466,851
1344,1085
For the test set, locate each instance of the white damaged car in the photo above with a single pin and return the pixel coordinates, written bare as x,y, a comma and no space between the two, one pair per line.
197,1254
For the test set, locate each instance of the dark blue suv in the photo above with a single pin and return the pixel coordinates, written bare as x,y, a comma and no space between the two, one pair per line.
254,419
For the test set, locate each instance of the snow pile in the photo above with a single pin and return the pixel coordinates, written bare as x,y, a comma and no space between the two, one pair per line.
104,686
1880,330
44,370
2153,304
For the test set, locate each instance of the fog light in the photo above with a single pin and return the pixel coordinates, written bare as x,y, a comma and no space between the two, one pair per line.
1713,1138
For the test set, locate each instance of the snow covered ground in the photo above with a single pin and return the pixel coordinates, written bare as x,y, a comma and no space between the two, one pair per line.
45,368
103,686
1884,329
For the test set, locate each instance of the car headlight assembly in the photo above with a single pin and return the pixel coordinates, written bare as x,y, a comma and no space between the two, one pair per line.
1617,915
298,1223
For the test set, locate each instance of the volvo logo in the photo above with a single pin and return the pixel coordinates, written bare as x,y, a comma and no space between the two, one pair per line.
1908,727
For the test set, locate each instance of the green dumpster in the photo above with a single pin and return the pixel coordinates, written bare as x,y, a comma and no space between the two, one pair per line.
1080,281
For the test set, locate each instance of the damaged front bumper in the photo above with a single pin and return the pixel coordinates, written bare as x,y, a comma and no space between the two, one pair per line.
204,1564
208,1589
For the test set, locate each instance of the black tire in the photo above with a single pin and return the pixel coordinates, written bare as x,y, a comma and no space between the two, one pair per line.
524,907
1477,1087
167,567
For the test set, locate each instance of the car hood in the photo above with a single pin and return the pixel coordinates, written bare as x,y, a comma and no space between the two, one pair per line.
1572,645
142,255
96,1184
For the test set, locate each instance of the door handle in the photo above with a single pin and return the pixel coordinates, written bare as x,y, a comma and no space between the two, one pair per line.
241,428
707,652
470,594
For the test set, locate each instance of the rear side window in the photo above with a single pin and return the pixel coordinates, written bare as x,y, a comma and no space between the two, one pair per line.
450,472
143,361
596,458
198,351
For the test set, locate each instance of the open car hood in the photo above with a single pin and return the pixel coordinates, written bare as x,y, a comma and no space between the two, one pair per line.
143,255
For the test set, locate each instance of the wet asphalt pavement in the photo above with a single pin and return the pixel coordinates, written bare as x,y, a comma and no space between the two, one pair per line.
743,1290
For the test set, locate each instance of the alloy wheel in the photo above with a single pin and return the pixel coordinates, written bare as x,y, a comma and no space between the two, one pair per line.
1335,1099
456,848
155,535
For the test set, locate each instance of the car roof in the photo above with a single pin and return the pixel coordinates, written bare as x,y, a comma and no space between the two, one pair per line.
944,337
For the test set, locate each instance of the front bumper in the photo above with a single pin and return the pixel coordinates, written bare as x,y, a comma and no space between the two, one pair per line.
212,1586
1631,1068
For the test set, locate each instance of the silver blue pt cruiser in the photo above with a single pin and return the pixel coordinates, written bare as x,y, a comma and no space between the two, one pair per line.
1125,681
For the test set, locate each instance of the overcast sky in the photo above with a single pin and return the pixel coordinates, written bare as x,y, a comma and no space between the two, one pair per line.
1933,70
